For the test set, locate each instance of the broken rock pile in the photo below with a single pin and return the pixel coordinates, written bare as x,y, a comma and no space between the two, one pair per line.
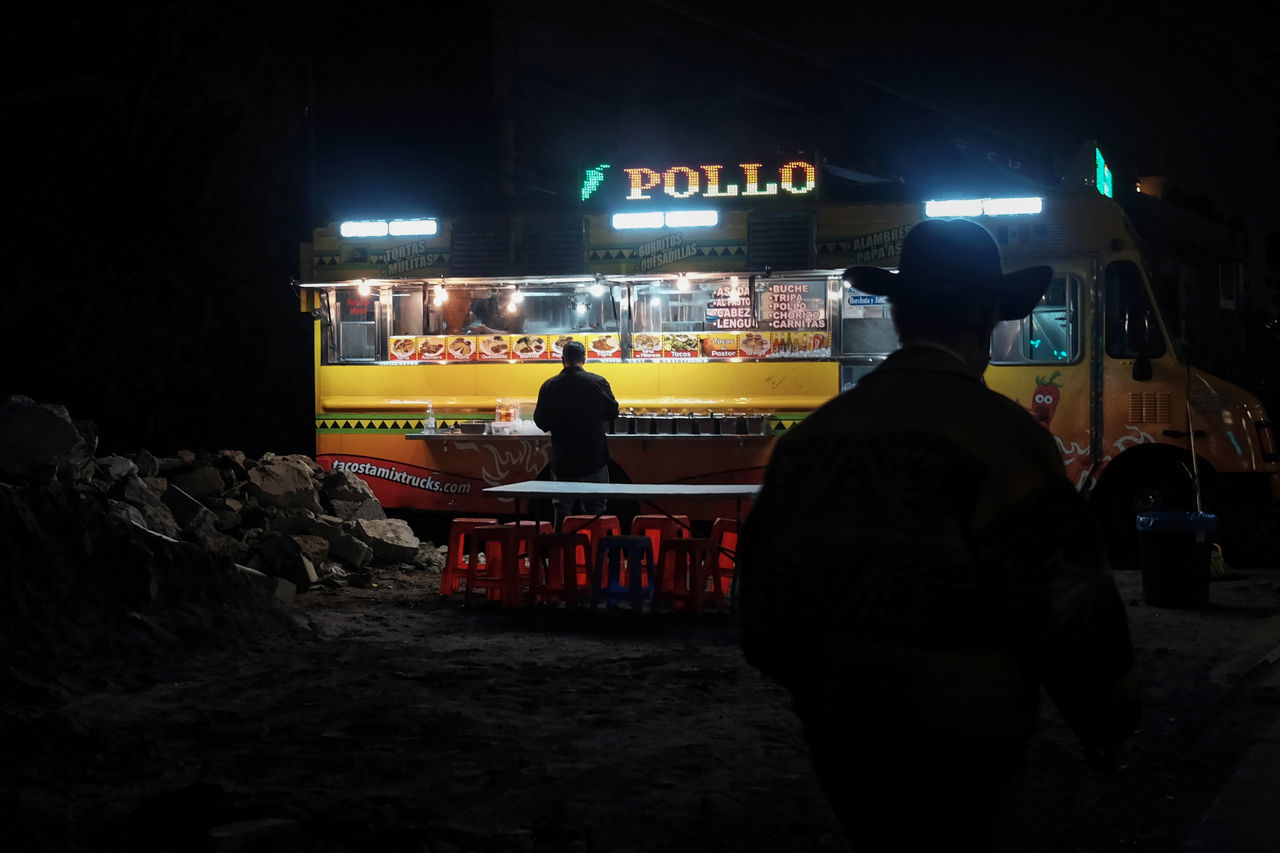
142,531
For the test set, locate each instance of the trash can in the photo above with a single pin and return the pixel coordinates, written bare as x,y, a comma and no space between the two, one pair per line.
1174,551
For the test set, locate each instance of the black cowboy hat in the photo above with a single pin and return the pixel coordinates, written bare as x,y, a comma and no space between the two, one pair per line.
947,261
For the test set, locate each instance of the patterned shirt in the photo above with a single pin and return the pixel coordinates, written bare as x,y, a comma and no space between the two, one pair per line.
917,557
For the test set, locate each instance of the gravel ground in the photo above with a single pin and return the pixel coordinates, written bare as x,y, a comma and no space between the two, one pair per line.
385,718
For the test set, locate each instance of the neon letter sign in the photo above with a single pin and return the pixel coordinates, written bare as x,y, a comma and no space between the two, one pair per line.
795,178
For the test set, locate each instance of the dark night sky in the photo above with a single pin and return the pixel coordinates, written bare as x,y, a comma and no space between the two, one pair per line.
167,158
1163,92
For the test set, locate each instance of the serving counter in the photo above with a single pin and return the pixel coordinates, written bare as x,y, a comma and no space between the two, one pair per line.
449,471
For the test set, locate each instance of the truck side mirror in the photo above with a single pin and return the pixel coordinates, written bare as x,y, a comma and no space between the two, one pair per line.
1137,324
1143,340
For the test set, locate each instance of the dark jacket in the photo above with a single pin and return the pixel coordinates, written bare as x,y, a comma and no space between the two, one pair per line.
573,406
917,560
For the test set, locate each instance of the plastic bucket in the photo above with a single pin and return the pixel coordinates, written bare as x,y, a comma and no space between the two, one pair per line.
1174,550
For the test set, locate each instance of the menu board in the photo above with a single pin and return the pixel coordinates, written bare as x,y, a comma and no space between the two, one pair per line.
730,308
645,346
794,305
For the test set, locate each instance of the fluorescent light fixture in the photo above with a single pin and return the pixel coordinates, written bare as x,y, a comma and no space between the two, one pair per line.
394,228
413,227
670,219
363,229
1009,206
983,207
959,207
692,218
638,220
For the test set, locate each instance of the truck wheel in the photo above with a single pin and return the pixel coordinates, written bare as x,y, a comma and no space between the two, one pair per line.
1149,488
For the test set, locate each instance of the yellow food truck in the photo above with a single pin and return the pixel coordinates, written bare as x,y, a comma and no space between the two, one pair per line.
721,325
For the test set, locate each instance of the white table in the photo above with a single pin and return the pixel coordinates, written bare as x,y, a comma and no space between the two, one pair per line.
618,491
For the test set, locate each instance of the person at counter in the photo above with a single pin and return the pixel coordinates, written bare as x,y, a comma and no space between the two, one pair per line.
485,318
574,406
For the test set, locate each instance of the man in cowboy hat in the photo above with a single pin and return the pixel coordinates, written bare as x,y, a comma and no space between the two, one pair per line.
917,566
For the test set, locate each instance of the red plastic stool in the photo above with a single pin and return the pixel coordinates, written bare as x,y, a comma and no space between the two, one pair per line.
688,574
724,535
553,567
596,528
540,526
505,571
623,571
455,558
660,527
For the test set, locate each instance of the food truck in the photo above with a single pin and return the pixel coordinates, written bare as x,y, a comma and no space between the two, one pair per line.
721,325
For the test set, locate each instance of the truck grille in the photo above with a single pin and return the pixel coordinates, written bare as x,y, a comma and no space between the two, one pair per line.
1150,407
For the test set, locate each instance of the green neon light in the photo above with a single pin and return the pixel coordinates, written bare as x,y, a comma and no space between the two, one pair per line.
593,179
1102,178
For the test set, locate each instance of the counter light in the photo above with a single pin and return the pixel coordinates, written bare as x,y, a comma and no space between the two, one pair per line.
983,207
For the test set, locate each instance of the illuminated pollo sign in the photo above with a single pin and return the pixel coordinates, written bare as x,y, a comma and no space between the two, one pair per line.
795,178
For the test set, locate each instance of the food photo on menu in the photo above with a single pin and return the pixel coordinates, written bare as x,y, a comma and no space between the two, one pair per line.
529,346
681,344
603,346
431,347
558,342
646,345
755,344
720,345
403,348
494,347
461,348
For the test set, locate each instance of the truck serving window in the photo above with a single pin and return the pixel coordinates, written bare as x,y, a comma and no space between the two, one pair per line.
1049,334
1131,327
357,325
866,324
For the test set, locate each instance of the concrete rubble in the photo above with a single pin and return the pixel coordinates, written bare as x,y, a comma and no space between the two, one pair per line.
178,527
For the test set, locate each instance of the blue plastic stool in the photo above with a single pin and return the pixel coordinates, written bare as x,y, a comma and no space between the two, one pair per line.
624,570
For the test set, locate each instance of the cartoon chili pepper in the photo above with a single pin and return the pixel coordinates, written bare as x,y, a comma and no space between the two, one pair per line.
1045,401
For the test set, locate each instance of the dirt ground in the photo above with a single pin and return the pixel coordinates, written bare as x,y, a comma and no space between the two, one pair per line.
393,720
